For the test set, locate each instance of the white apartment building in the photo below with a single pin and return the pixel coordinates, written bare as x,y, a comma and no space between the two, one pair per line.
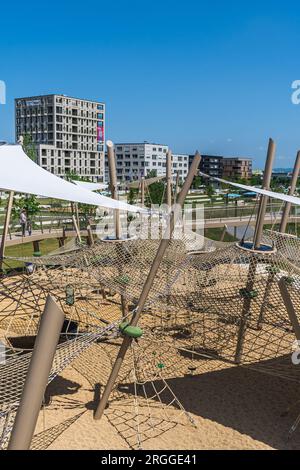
68,133
137,160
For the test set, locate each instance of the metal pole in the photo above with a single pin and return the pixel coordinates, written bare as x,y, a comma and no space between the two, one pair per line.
264,199
169,178
289,307
164,243
287,207
37,376
6,226
113,184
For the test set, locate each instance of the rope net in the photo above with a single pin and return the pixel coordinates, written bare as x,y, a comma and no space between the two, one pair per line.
220,301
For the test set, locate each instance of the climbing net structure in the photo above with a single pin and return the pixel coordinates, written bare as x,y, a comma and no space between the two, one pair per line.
221,301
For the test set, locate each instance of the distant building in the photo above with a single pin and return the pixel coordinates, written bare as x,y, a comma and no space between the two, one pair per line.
137,160
68,133
237,168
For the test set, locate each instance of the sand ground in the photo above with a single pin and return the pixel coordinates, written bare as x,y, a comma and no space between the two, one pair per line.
233,408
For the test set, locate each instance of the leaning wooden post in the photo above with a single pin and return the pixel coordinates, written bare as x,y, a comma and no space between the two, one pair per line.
288,205
164,243
37,376
6,226
113,184
247,292
76,228
289,306
264,199
169,178
224,231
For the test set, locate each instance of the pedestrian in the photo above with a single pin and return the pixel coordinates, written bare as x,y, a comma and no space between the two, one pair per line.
23,221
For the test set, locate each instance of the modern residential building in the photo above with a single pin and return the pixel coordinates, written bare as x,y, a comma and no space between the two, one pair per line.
237,168
212,165
136,160
68,133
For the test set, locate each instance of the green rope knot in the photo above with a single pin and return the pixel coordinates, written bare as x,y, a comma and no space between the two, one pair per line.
37,254
160,365
289,280
272,269
248,294
131,331
70,297
124,279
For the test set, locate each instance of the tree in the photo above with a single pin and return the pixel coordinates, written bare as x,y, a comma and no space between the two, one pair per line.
156,191
29,148
29,203
210,191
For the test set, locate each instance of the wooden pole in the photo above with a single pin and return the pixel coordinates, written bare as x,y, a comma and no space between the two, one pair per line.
289,307
37,376
113,184
90,233
253,259
176,187
169,178
143,191
76,228
164,243
264,199
223,233
6,226
288,205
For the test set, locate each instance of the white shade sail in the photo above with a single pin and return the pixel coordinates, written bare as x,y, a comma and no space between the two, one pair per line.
90,186
264,192
20,174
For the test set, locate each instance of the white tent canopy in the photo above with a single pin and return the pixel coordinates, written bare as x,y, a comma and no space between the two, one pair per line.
264,192
20,174
90,186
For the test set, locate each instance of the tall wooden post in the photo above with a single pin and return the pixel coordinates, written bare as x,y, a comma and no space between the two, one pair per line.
287,207
164,243
246,311
176,188
169,178
264,199
113,184
6,226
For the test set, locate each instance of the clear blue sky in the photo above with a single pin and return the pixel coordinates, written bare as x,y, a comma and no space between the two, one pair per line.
209,75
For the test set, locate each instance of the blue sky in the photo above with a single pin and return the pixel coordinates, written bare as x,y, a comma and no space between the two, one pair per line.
214,76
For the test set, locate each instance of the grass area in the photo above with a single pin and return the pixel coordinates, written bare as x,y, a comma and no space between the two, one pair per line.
26,249
215,234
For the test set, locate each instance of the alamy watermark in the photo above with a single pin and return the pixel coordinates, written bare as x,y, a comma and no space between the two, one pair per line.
2,92
154,224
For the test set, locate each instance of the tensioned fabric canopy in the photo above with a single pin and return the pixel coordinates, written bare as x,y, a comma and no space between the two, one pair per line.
90,186
264,192
20,174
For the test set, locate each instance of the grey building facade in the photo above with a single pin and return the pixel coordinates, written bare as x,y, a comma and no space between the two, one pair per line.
68,133
137,160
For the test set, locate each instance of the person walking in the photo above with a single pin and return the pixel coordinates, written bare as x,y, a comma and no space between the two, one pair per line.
23,221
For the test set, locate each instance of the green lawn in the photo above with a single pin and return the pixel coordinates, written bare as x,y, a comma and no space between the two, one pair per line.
215,234
26,249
